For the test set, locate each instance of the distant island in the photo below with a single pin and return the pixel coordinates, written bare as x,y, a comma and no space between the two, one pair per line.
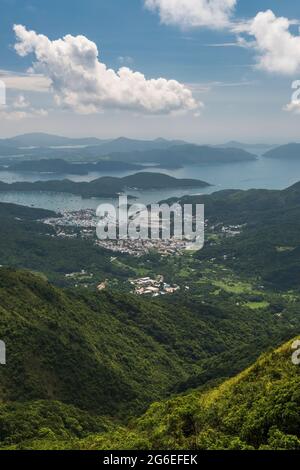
106,186
40,139
246,146
40,145
68,168
188,154
161,152
289,151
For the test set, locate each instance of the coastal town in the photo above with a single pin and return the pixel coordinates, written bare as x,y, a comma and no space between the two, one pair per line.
83,223
140,247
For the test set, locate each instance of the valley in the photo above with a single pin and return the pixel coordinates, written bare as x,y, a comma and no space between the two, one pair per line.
150,331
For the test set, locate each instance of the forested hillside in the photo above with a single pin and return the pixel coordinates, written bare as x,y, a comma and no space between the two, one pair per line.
258,409
110,354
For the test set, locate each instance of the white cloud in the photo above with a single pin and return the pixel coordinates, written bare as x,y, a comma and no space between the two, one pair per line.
25,81
20,102
194,13
83,83
293,107
13,115
278,49
19,109
18,115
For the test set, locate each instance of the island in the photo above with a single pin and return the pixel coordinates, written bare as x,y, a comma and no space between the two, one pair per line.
288,152
107,186
181,155
60,166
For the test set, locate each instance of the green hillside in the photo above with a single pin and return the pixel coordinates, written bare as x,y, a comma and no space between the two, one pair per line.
111,354
25,243
258,409
267,246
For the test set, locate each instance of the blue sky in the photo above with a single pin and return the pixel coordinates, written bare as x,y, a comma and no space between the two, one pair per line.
240,101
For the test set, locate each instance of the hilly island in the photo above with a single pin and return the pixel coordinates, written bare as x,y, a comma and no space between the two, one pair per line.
106,186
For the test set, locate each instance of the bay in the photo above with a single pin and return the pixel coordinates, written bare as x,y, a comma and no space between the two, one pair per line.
263,174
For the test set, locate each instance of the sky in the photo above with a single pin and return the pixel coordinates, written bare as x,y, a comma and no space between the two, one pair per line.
207,71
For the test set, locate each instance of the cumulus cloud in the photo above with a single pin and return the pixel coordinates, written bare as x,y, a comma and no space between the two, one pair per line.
194,13
278,49
80,81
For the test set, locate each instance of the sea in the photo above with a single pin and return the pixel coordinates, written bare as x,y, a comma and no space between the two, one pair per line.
263,173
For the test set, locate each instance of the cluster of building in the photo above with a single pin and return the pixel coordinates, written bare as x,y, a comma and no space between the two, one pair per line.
80,275
142,247
73,224
154,287
232,230
228,231
83,223
82,218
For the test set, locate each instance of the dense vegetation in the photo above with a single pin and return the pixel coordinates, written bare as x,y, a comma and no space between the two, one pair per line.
257,410
107,351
